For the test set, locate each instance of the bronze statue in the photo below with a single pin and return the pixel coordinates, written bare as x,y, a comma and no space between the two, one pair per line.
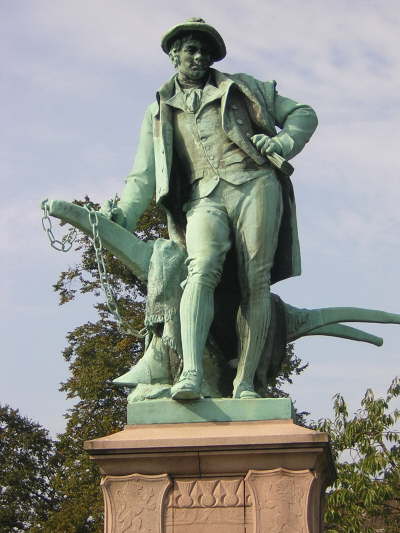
214,151
202,152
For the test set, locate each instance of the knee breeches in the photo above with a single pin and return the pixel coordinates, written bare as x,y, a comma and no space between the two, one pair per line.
247,215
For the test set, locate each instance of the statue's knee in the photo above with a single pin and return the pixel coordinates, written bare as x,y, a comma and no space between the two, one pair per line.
256,288
206,270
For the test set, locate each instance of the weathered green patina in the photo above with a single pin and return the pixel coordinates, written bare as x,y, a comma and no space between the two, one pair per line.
209,410
203,152
214,151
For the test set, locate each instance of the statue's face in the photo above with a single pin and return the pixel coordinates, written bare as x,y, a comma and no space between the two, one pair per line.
194,59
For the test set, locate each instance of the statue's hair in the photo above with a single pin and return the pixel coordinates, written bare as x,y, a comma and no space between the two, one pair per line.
177,44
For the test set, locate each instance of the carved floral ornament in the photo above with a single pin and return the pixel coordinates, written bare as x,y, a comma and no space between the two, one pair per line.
275,500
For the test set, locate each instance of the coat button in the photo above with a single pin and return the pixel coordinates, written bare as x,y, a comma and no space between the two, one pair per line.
235,107
239,121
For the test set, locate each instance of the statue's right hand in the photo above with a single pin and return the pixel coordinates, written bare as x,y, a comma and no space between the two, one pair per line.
111,210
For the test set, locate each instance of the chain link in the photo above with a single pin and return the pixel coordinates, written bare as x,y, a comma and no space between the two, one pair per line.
123,326
69,238
66,244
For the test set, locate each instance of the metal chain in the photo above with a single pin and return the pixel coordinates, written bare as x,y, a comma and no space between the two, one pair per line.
66,244
69,238
123,326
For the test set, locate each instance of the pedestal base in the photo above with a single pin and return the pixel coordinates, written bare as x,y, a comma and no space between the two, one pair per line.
209,410
214,477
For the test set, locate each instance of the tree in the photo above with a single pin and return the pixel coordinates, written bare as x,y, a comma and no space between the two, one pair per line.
28,463
366,447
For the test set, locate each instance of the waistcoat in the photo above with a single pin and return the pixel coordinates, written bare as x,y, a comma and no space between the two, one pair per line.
205,152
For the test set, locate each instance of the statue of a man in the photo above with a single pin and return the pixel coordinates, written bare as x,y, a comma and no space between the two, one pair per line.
203,153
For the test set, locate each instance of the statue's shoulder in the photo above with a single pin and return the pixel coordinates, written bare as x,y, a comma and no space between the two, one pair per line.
243,78
250,81
263,92
152,109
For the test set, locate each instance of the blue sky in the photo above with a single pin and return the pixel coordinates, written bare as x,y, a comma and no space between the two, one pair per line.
76,78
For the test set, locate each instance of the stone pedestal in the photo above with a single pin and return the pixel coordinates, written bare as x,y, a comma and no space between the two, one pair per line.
261,476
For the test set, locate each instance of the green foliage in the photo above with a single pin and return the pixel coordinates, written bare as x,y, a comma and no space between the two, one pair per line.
291,366
366,447
27,465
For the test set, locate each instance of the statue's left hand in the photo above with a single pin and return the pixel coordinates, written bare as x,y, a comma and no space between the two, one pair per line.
266,145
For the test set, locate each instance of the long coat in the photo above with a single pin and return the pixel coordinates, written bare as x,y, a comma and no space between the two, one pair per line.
155,171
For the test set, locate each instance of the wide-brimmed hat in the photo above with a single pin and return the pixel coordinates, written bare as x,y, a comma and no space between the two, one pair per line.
196,24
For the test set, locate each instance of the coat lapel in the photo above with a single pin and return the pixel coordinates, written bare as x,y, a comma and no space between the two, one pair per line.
253,96
229,124
165,120
225,84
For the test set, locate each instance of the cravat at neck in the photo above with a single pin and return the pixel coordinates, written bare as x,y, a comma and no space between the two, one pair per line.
192,99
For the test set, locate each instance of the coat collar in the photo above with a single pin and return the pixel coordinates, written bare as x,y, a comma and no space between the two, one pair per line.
210,93
222,82
251,91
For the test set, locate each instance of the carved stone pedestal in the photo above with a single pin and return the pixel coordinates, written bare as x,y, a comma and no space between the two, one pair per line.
214,477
